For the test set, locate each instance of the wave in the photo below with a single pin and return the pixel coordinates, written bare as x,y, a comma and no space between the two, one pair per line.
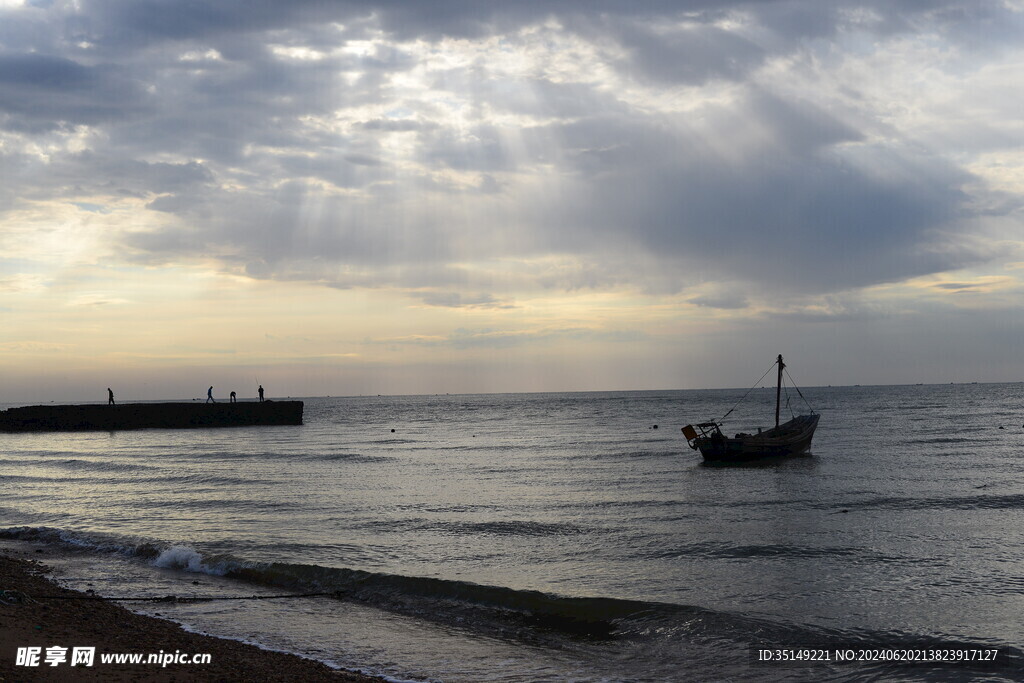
349,457
782,551
188,559
510,528
1014,501
503,528
97,542
950,440
205,479
630,454
22,478
219,504
521,615
77,465
492,608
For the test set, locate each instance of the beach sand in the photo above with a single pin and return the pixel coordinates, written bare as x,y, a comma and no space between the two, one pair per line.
110,628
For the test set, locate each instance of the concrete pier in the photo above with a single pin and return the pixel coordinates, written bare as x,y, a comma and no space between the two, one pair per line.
69,418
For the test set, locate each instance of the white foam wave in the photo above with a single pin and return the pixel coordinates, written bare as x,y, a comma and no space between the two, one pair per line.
187,559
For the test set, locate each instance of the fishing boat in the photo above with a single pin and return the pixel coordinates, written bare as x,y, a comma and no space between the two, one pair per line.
788,438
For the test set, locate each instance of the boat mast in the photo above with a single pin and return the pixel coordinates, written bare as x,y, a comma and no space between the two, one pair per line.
778,390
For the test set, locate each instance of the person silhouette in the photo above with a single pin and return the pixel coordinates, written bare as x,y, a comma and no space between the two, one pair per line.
209,395
110,397
261,393
232,399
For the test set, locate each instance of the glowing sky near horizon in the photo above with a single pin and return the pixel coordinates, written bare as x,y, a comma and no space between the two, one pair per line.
428,197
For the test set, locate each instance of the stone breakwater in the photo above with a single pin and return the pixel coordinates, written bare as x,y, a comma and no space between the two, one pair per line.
66,418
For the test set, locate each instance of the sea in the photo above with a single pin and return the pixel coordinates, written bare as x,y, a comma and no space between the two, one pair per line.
561,536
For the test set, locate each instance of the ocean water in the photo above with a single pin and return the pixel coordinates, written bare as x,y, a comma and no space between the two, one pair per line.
534,537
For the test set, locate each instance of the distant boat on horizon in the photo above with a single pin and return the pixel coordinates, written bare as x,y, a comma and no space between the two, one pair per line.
789,438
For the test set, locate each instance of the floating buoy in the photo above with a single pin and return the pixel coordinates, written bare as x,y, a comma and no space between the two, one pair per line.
655,426
392,431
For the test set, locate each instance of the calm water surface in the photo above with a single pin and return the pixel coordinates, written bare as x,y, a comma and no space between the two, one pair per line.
557,536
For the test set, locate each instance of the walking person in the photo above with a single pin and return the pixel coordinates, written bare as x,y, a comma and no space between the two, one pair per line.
209,395
110,397
232,399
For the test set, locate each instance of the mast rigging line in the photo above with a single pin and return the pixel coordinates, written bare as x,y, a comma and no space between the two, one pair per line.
785,370
798,389
770,368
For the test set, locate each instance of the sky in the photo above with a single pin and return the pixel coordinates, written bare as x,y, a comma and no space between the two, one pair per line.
382,197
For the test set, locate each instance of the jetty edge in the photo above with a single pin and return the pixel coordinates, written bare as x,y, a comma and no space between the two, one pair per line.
99,417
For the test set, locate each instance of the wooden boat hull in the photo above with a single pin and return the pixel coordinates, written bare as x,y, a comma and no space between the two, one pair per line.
68,418
791,438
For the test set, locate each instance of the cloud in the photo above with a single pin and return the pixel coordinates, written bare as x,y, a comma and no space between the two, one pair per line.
40,93
731,300
981,285
832,309
692,53
769,191
656,146
486,338
448,299
398,125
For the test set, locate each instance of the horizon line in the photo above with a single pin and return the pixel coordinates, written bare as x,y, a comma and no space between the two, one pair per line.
502,393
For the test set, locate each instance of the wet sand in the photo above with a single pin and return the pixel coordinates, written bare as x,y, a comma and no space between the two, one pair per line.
110,628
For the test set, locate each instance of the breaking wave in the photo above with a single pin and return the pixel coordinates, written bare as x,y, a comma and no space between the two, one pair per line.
522,615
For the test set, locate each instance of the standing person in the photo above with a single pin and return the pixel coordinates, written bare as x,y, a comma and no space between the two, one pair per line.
261,393
110,397
209,395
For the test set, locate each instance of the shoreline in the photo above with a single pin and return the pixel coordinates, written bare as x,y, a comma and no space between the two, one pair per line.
74,622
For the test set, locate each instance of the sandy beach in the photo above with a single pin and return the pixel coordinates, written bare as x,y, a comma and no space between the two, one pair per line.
28,620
